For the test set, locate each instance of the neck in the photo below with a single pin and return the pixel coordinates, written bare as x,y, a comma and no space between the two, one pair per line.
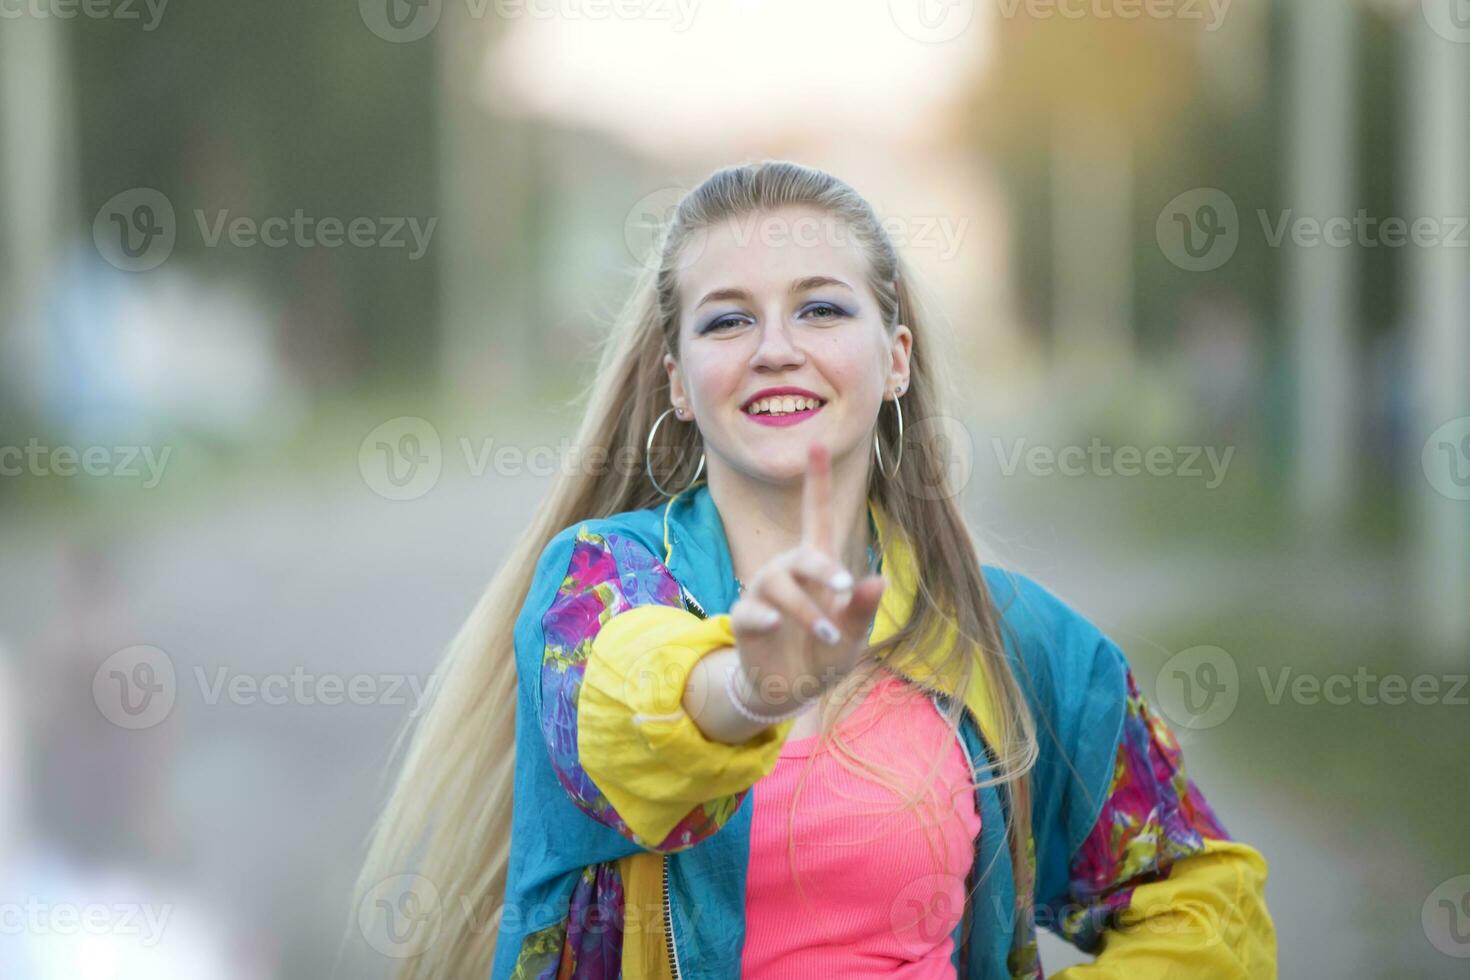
764,519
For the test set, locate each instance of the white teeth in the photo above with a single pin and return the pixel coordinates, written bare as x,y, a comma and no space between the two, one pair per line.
783,405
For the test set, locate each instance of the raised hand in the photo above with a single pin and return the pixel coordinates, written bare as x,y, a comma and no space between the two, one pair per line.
802,624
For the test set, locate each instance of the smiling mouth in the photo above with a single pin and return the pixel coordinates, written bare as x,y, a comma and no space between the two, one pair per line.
783,405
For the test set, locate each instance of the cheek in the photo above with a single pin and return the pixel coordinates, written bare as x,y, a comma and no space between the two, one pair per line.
712,380
850,367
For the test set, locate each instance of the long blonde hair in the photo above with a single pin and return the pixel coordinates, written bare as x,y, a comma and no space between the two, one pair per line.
451,802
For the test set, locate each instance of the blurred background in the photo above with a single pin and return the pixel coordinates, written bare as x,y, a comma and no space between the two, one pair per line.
295,300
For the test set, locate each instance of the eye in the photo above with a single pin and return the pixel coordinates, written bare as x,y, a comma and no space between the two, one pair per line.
728,320
833,311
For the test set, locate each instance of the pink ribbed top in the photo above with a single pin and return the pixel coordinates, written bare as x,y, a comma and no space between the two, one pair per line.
878,900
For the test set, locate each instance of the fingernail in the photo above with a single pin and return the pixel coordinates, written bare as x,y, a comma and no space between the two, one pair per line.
826,632
769,618
842,580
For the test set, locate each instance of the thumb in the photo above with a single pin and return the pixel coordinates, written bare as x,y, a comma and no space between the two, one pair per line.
856,617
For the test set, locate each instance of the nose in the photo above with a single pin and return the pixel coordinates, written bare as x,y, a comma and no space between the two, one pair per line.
777,348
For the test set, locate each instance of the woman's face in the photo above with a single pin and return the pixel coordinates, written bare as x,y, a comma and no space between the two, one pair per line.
779,300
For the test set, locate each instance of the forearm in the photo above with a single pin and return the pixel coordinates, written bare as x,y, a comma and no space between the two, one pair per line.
707,700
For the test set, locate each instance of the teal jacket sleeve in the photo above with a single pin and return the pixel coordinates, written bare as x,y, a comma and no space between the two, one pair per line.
1132,864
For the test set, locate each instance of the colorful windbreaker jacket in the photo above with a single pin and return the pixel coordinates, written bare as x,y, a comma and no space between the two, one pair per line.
631,830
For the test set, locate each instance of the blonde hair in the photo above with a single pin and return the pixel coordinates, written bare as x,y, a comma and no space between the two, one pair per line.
451,802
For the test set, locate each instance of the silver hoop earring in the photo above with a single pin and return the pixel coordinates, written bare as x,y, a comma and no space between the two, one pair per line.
648,459
879,449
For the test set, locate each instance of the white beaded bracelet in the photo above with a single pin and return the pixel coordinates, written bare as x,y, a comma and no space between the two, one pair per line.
754,716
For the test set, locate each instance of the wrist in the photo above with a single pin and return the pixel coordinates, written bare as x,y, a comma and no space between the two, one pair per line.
749,705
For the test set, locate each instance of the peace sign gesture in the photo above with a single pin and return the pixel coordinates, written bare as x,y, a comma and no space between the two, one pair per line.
802,624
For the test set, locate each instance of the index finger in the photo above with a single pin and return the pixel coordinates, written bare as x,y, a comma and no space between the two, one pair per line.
817,525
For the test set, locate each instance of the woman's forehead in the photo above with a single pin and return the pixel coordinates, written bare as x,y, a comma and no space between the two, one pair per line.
767,256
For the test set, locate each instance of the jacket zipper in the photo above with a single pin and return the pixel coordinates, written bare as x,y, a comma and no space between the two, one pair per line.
963,970
669,924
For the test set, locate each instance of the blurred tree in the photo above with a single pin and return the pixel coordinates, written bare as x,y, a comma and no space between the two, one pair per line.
262,110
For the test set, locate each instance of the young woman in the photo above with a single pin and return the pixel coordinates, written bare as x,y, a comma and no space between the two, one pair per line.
768,715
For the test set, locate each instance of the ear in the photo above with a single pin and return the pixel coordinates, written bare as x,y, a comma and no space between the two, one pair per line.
898,368
677,395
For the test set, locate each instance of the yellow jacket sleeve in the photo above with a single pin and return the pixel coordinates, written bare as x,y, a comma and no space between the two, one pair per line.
671,784
1208,918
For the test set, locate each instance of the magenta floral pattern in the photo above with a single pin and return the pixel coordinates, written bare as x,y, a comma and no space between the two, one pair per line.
608,574
1153,816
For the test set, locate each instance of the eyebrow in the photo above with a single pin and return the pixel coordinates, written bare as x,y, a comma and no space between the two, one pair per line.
797,286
